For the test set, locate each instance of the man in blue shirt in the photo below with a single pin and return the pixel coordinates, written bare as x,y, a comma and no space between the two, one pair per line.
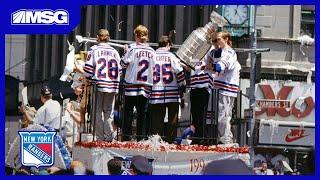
187,134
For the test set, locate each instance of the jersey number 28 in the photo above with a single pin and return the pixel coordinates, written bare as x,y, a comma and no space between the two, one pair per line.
112,68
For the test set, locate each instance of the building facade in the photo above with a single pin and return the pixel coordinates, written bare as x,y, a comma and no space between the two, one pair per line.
278,28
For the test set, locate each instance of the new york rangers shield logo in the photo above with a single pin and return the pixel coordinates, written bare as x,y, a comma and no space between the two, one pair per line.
37,148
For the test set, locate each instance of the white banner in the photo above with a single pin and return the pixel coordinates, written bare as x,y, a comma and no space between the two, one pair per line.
301,96
164,163
286,133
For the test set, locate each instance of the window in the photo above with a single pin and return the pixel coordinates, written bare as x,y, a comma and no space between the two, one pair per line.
307,20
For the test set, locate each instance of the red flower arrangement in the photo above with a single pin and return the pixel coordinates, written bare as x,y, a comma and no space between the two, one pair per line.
169,147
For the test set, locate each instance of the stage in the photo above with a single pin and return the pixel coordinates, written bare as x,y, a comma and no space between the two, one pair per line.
166,159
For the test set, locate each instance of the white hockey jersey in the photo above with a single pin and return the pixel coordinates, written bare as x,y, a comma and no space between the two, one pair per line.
201,77
139,63
228,79
103,67
167,77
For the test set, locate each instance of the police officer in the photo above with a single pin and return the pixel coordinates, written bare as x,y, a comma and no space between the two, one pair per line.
48,115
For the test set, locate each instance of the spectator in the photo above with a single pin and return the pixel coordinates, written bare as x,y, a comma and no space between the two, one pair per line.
275,171
27,116
74,116
53,169
42,172
48,114
22,171
62,172
276,159
141,166
258,159
78,168
227,167
114,166
263,170
188,133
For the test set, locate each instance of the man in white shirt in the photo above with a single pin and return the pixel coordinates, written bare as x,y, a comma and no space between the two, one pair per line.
48,114
263,170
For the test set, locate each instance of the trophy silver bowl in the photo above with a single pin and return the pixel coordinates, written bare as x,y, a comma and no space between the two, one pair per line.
198,43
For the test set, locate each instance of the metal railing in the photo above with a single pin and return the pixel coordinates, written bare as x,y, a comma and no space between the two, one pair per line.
210,129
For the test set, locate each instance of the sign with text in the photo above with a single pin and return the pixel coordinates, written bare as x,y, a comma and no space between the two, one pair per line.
293,134
272,103
282,100
37,148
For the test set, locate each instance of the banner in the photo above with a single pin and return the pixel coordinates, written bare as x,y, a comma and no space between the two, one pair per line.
163,162
286,133
300,96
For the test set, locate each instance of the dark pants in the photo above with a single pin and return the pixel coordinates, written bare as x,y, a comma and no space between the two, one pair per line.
199,98
158,112
140,102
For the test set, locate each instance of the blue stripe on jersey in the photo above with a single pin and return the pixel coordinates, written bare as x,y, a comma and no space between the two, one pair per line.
199,75
201,82
89,68
229,90
226,83
89,65
89,72
181,75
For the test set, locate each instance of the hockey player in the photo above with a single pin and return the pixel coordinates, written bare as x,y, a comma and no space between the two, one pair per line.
138,62
201,87
168,80
103,68
227,70
213,55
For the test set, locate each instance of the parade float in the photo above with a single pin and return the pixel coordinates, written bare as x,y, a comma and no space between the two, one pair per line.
166,159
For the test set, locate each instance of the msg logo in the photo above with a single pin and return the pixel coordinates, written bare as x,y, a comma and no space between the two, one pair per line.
40,17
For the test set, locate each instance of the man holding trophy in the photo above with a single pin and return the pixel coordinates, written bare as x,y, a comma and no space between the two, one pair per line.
227,77
225,69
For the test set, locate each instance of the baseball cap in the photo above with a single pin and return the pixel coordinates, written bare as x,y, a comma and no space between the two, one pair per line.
45,90
142,164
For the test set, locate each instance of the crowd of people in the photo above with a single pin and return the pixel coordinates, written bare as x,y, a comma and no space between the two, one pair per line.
279,164
140,165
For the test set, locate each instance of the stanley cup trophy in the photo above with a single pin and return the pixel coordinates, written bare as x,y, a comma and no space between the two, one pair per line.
198,43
